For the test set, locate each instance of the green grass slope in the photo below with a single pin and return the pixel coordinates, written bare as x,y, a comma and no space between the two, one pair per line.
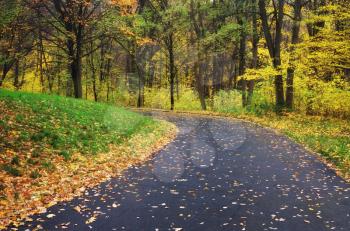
52,148
64,125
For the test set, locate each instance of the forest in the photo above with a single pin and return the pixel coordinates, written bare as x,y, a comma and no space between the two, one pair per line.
253,56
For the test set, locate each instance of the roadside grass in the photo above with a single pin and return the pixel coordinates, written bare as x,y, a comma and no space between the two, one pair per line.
65,125
52,147
329,137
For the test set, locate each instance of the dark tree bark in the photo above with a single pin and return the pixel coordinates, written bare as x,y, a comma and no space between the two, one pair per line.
5,69
91,63
170,47
19,74
75,69
255,41
295,40
274,44
74,45
141,84
242,60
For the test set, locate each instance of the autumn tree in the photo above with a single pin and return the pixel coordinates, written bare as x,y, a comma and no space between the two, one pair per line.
297,6
69,26
162,18
273,37
16,36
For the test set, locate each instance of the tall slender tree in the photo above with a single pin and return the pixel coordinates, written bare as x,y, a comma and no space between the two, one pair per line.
274,42
70,21
297,8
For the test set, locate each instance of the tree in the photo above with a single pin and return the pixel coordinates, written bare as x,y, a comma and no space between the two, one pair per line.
196,19
162,17
70,22
297,8
255,42
16,36
274,42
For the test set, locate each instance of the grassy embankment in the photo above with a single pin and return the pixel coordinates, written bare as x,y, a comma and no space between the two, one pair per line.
51,148
328,137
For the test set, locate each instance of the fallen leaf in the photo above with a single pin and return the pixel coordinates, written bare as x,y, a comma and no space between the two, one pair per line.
50,215
90,220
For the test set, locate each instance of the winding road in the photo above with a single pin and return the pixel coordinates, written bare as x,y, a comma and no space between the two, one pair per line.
218,174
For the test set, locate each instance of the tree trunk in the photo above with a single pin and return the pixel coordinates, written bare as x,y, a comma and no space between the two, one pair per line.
235,77
172,70
94,84
5,69
274,45
91,63
295,40
75,55
199,31
140,98
75,69
1,80
94,87
244,92
76,77
69,88
16,75
108,90
3,75
242,61
177,86
232,73
255,41
251,85
279,91
86,82
279,81
199,81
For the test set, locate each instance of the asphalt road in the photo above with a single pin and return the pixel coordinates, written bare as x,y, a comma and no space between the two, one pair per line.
217,175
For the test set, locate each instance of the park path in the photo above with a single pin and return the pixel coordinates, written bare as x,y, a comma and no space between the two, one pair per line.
217,174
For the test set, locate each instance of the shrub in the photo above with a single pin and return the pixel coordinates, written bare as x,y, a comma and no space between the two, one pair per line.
260,104
228,102
157,98
188,100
